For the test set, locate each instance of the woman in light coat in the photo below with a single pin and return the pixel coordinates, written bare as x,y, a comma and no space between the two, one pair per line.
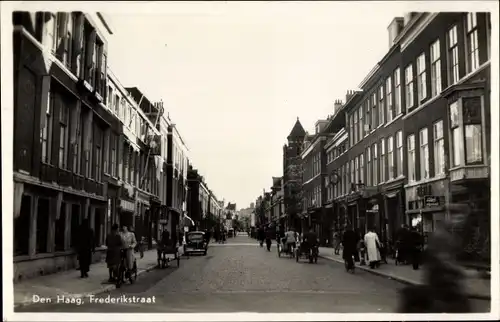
372,245
129,243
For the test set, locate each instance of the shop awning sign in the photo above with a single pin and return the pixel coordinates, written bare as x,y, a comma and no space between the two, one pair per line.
431,201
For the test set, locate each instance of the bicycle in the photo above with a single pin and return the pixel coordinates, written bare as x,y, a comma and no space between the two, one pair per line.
124,273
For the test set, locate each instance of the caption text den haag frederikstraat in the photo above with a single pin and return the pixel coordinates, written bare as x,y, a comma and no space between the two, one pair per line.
92,299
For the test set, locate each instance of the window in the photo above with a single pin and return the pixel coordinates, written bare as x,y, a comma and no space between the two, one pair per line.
381,105
367,118
351,129
421,78
361,123
125,163
473,130
114,153
424,154
46,132
472,42
63,135
117,105
356,170
77,150
435,68
98,154
353,179
388,95
382,161
453,76
355,126
411,157
362,168
110,98
107,149
455,133
409,86
390,158
68,40
397,91
399,153
374,110
375,164
368,167
123,111
438,148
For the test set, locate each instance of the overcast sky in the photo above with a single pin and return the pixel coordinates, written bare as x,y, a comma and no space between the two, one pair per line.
235,79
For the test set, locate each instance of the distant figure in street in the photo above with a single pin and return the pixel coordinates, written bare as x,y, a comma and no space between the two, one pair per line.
402,243
336,242
269,238
261,235
139,247
114,246
85,247
291,240
349,241
372,244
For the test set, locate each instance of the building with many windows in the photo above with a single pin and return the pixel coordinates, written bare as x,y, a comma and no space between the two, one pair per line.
417,135
60,127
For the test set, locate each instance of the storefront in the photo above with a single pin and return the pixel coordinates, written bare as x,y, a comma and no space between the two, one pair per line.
394,205
364,208
426,205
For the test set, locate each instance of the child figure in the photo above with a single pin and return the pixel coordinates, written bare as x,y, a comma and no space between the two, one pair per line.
362,251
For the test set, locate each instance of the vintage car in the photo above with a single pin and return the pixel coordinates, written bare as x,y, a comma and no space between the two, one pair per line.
196,243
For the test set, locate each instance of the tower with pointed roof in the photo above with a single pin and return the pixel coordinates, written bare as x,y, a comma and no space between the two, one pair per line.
292,176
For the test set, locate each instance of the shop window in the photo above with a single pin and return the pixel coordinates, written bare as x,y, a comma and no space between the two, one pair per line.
60,228
42,225
75,224
22,228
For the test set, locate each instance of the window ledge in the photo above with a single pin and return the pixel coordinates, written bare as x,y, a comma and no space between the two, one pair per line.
420,107
425,181
400,115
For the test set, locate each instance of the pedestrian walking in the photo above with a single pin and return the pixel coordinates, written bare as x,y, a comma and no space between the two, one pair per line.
336,242
349,241
372,244
85,247
114,246
403,241
140,243
415,247
129,243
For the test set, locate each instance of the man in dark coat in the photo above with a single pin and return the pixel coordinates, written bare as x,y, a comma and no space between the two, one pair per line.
114,246
349,241
85,247
403,241
415,244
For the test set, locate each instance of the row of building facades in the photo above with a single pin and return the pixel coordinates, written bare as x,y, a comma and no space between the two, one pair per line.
86,147
412,140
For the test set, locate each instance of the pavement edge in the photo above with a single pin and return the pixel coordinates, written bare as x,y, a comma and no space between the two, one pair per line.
401,279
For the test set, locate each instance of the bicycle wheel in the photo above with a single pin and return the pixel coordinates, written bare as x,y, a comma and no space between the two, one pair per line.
135,270
279,250
178,257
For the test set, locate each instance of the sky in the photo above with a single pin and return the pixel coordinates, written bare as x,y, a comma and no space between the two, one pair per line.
234,79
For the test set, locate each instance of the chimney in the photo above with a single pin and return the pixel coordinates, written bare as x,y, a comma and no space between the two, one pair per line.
336,106
407,17
348,95
394,29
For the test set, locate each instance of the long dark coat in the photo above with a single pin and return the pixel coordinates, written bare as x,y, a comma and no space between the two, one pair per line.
349,240
114,244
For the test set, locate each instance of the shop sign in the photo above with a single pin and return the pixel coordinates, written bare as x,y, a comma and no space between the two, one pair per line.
127,205
431,201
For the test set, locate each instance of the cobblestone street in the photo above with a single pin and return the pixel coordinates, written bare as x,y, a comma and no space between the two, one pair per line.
241,276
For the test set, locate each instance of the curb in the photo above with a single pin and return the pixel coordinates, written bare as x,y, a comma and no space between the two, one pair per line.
402,279
105,289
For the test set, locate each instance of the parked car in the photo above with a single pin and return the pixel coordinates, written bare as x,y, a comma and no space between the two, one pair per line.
196,243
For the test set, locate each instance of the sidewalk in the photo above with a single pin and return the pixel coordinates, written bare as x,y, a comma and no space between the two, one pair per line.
70,283
477,287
